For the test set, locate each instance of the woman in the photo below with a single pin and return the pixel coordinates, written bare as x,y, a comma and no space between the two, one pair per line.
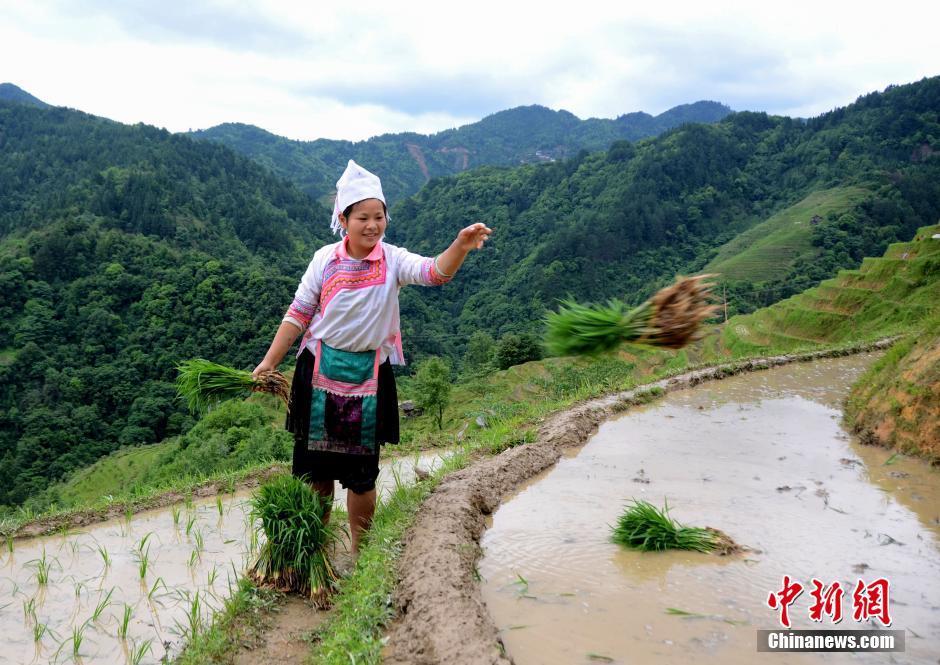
343,399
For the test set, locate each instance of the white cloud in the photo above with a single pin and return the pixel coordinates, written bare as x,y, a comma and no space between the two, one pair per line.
308,70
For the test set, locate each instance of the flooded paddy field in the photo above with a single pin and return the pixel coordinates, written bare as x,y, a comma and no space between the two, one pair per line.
764,458
141,583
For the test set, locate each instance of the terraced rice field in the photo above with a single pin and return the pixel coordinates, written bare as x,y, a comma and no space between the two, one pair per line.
883,295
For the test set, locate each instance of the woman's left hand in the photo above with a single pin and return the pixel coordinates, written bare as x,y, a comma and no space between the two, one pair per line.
474,236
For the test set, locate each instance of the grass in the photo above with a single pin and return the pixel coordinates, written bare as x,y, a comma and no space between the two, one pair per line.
297,536
644,527
242,613
768,250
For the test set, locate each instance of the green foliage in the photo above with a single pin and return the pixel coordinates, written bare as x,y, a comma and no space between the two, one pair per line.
645,527
432,385
126,249
295,552
479,355
122,251
513,349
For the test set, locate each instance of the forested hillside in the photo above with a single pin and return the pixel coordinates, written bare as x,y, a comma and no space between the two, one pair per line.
124,250
617,223
527,134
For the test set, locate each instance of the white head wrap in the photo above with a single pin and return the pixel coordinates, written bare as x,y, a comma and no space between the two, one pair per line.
356,184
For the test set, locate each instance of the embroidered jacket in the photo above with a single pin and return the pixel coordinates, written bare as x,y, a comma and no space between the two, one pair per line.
352,304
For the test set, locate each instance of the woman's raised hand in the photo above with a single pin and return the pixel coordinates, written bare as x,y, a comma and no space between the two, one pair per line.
474,236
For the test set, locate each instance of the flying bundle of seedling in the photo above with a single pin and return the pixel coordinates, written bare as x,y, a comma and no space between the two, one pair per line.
294,556
643,526
202,383
669,319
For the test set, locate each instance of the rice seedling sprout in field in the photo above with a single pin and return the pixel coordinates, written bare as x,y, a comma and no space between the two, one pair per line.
39,631
105,557
670,319
102,606
125,621
200,541
139,651
645,527
176,515
29,610
143,562
43,567
78,636
219,506
189,524
297,537
202,383
193,619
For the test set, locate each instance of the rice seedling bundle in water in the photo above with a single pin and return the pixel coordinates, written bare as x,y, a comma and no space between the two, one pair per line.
669,319
294,556
645,527
202,383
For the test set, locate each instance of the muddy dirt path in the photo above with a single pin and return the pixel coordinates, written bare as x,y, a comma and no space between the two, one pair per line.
441,614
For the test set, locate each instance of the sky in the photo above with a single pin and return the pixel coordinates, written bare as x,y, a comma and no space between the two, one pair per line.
351,70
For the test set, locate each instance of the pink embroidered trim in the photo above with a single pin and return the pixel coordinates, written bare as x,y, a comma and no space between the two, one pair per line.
431,275
342,274
302,311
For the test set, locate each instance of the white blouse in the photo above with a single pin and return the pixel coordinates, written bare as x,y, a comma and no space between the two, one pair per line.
352,304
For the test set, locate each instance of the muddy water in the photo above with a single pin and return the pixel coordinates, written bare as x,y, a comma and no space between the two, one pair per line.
761,456
201,552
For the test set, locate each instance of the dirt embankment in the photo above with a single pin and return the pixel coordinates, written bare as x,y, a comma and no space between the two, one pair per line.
897,403
441,617
48,525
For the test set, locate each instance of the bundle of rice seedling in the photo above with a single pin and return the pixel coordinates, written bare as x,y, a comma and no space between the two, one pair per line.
201,383
645,527
294,556
669,319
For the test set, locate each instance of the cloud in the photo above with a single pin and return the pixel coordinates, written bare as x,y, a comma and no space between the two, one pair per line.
232,26
308,70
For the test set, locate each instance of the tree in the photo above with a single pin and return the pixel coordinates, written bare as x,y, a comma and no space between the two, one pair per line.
432,386
479,355
514,349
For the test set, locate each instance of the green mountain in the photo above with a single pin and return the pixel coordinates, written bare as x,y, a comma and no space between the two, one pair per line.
527,134
12,93
622,222
124,250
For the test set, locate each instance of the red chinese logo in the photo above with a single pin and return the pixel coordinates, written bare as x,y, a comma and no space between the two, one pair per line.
869,601
826,600
784,598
